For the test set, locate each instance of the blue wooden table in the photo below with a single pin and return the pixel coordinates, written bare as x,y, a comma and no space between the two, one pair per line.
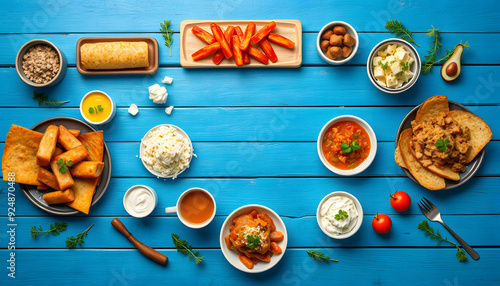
254,131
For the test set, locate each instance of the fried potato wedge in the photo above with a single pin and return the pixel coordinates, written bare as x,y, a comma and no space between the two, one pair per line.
426,178
432,107
480,132
47,146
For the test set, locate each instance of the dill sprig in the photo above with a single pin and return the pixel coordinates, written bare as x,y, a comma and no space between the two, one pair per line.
428,64
318,255
437,236
55,229
44,99
184,247
72,241
398,29
167,33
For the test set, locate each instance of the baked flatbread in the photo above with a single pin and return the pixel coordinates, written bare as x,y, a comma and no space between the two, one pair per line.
83,190
114,55
94,142
431,108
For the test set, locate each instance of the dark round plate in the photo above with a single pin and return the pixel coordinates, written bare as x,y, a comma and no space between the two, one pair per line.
35,196
470,169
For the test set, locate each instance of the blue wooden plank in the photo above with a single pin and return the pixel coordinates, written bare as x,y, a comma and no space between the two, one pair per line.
302,232
356,266
57,16
304,194
232,124
307,86
10,44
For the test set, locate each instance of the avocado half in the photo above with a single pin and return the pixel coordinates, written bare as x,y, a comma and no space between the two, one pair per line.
452,67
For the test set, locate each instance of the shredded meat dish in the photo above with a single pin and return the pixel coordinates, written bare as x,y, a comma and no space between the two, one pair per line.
427,134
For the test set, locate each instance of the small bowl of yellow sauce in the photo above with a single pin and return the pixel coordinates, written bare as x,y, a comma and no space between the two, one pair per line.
97,107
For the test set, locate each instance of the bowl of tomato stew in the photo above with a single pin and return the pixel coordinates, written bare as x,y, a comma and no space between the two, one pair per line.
347,145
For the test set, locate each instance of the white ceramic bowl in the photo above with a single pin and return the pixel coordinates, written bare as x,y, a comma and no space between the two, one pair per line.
373,146
358,223
141,151
349,30
130,211
110,116
232,256
414,68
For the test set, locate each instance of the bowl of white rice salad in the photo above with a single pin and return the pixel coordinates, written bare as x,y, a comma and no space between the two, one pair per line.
166,151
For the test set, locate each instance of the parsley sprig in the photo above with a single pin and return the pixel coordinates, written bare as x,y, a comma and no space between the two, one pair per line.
384,66
96,109
167,34
341,215
424,225
398,29
55,229
184,247
318,255
346,148
404,66
442,144
44,99
253,241
73,242
63,167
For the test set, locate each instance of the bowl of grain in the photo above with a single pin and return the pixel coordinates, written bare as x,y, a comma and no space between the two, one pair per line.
40,63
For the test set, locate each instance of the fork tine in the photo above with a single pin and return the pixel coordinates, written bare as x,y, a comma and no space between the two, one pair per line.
422,209
427,207
429,202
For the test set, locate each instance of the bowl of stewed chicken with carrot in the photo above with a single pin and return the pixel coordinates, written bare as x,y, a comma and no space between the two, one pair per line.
347,145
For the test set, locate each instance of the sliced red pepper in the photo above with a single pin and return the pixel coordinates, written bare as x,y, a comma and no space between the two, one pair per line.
238,57
218,57
258,55
205,51
203,35
239,33
263,32
280,40
247,37
224,46
268,50
228,34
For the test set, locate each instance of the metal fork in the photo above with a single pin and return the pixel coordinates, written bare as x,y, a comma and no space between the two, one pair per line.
432,213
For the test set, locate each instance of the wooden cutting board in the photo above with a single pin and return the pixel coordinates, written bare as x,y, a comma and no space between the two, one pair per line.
287,58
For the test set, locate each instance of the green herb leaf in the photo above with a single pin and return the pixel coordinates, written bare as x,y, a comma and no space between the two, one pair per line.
91,110
424,225
355,135
72,241
54,229
184,247
63,167
404,66
384,66
341,215
44,100
442,144
398,29
100,108
167,34
318,255
346,148
355,145
253,241
69,163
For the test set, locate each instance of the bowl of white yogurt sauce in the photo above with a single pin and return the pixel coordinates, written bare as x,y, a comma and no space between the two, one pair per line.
339,215
140,201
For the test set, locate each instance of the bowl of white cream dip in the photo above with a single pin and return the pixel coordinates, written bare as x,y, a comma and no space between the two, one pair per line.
139,201
339,215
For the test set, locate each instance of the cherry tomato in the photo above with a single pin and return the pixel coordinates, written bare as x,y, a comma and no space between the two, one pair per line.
400,201
381,223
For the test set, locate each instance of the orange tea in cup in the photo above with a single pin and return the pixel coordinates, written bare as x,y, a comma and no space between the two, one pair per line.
196,207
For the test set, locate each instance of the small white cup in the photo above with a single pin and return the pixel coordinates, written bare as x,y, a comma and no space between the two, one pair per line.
176,209
148,209
110,116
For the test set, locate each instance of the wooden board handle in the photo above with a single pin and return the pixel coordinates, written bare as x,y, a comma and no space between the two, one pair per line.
144,249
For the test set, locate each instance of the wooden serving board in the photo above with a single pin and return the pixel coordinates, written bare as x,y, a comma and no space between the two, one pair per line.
287,58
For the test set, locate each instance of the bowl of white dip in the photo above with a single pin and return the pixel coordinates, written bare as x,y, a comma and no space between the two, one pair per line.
166,151
339,215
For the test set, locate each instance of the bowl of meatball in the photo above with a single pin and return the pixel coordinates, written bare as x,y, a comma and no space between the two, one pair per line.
337,43
39,63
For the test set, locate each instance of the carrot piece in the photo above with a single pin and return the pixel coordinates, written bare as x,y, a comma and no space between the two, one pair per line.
280,40
276,236
228,34
205,51
224,46
267,257
234,235
265,217
239,33
218,57
245,260
263,32
203,35
258,55
238,57
268,50
255,260
229,245
275,248
247,37
253,213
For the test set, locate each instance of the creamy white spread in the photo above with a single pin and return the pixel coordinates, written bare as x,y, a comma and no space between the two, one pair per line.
168,110
140,202
158,94
133,109
166,151
331,207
